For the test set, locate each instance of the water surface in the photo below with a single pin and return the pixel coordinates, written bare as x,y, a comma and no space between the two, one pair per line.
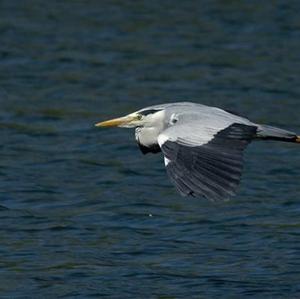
83,213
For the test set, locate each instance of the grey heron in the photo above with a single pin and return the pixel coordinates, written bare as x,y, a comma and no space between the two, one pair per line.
202,146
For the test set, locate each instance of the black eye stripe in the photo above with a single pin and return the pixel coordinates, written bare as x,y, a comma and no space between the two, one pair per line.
146,112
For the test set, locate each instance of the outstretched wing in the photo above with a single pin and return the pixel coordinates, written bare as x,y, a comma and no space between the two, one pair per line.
205,161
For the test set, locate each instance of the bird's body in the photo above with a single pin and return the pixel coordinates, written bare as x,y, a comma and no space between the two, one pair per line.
204,121
202,146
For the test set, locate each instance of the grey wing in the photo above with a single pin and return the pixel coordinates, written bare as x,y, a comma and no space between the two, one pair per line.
205,162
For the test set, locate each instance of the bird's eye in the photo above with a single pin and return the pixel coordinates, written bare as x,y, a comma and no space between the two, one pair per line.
139,117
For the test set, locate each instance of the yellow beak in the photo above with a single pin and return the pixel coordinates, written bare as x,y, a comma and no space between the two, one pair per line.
121,121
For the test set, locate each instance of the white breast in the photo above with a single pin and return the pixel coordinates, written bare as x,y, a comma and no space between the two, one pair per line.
147,136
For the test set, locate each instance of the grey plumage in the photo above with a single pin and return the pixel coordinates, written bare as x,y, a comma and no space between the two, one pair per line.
212,170
202,146
273,133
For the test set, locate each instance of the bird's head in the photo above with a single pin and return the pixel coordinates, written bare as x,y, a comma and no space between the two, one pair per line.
141,118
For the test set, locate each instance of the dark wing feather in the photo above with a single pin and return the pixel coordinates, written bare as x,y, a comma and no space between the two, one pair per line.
213,169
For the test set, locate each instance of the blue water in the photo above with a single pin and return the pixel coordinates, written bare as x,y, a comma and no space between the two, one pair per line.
83,214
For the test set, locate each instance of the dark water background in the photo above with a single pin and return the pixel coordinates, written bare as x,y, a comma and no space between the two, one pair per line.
83,213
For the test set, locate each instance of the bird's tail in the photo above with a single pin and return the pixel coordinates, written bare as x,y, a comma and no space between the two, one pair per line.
273,133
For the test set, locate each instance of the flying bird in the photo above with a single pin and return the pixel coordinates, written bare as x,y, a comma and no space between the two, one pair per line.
202,146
